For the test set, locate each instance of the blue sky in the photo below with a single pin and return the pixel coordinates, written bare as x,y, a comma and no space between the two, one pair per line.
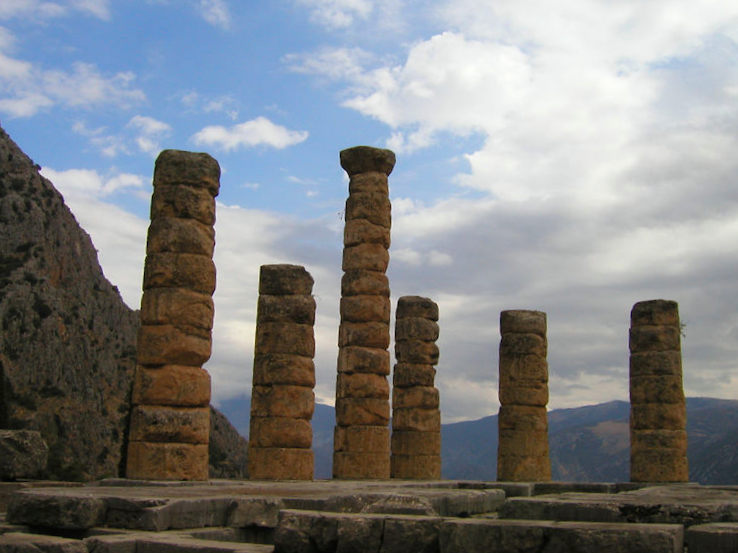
573,157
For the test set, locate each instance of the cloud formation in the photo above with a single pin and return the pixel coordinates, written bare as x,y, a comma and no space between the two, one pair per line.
256,132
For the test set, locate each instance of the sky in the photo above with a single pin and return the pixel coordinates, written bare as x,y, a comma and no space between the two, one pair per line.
572,157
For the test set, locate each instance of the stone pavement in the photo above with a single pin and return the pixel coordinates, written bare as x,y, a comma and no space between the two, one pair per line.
123,516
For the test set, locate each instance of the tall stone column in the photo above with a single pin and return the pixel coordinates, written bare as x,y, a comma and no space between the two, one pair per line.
282,398
522,453
658,414
416,417
170,420
361,439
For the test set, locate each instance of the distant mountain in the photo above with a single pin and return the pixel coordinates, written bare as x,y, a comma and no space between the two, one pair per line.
588,444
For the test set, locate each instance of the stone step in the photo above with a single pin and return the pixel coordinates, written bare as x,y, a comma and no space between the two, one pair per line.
167,542
718,537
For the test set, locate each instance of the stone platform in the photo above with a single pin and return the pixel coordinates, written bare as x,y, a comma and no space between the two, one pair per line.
123,516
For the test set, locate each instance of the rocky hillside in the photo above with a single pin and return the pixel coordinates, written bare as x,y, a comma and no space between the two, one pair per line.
68,342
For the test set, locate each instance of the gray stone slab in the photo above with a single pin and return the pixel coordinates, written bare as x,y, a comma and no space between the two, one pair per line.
47,508
34,543
719,537
541,488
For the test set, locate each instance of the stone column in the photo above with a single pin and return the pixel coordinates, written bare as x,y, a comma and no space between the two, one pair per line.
170,420
522,453
658,414
416,418
361,437
282,398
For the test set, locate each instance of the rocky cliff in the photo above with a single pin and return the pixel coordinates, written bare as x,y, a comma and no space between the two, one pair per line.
68,342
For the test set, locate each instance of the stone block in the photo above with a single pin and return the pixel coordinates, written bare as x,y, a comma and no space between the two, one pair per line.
523,321
409,442
291,338
156,423
279,463
415,467
280,400
367,335
656,389
526,393
523,468
168,345
361,439
282,279
373,207
656,363
359,385
178,307
659,465
718,537
183,201
167,461
515,344
19,542
23,454
655,312
365,257
177,235
283,368
285,309
416,328
305,532
526,442
357,359
658,416
654,338
364,283
280,432
361,231
420,420
362,411
363,309
406,375
370,181
359,534
416,352
522,369
411,534
417,306
359,466
178,385
178,167
179,270
649,439
523,417
366,159
423,397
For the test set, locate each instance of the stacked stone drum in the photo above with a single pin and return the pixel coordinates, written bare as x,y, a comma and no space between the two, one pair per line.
658,416
170,421
416,418
522,453
361,438
282,398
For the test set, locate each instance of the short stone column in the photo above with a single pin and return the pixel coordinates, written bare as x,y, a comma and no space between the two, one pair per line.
361,446
658,414
170,420
522,453
282,398
416,417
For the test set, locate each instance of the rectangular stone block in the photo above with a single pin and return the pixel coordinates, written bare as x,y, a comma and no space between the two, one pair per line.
368,335
187,169
374,207
415,467
522,369
357,359
177,235
656,389
178,307
366,257
406,375
408,442
279,463
523,393
659,465
649,439
658,416
280,400
420,420
522,417
168,345
285,309
371,181
416,352
718,537
361,439
167,461
280,432
523,321
361,231
523,468
156,423
416,328
293,338
179,270
524,443
361,466
177,385
184,202
363,309
283,279
362,412
655,338
423,397
360,283
655,312
514,344
283,368
655,363
360,385
417,306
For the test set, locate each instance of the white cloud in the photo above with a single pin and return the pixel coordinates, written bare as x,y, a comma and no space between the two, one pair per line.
256,132
216,13
150,131
338,13
46,10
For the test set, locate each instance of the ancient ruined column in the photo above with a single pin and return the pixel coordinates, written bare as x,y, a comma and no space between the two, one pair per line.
170,420
416,418
282,398
522,453
658,415
361,437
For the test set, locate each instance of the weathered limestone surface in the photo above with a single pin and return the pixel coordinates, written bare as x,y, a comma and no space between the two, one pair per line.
282,399
170,424
362,391
522,453
23,454
416,432
658,413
